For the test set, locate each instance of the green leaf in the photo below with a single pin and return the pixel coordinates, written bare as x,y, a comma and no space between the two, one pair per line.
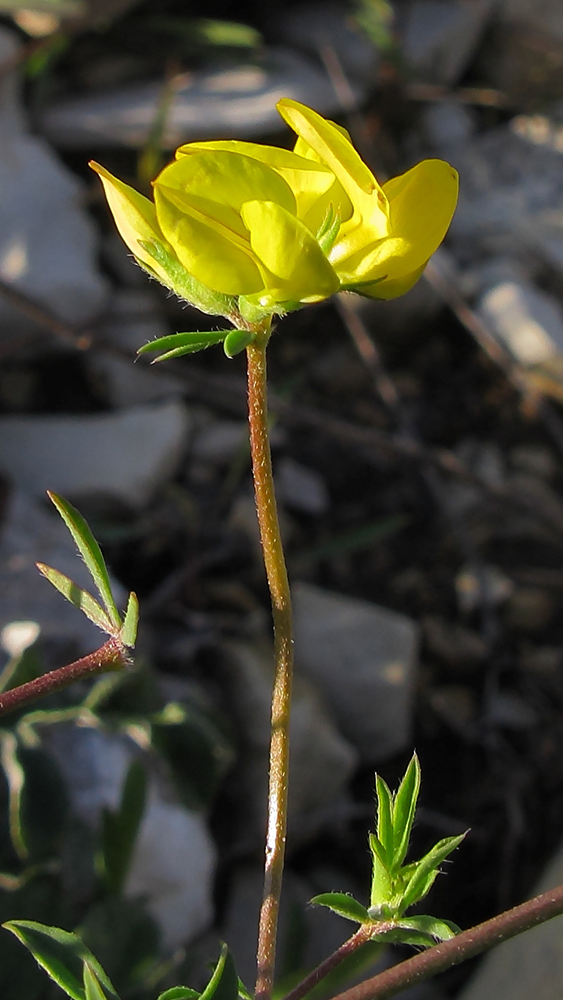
90,552
439,930
179,993
237,341
80,598
381,882
223,984
62,955
177,344
128,634
427,868
119,829
404,808
186,286
384,820
93,989
344,905
243,992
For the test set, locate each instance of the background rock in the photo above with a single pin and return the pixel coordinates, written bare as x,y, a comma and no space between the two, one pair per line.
47,242
226,102
362,659
125,455
173,859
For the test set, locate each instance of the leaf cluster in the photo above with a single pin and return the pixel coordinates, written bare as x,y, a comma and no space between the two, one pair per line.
396,886
107,617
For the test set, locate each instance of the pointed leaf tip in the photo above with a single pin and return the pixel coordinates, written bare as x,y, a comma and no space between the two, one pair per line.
90,552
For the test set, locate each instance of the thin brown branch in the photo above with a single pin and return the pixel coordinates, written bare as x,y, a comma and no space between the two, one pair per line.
112,655
466,945
364,934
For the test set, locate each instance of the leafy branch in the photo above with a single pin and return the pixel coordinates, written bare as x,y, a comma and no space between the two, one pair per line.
122,632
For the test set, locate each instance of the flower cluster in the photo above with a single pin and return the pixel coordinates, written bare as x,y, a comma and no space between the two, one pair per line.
249,231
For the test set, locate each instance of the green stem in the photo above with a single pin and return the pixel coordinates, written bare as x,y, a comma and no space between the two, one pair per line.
281,698
113,655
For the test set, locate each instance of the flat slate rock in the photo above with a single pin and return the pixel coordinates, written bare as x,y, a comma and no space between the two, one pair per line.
235,102
362,660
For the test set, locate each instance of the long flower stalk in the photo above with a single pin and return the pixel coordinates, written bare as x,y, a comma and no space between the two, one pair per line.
278,583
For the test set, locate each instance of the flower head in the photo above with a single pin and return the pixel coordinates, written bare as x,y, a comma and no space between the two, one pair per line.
247,231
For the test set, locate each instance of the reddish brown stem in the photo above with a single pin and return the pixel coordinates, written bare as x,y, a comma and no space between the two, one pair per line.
112,655
364,934
459,949
281,698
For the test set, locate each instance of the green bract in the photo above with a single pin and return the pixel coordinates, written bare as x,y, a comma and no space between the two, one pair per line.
251,230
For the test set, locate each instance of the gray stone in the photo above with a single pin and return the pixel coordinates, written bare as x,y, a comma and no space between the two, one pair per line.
320,931
439,37
47,241
542,15
510,192
236,102
126,455
530,965
316,27
525,320
321,761
126,384
362,659
30,534
173,859
301,488
133,318
446,124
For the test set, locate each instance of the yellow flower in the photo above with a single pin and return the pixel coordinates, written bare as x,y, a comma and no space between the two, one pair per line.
251,230
382,248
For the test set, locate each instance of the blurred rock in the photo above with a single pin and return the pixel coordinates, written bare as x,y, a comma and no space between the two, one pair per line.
306,934
318,27
30,534
219,441
530,965
525,320
457,645
546,15
125,384
173,859
439,37
507,710
321,761
524,61
535,459
301,488
455,704
362,658
529,609
236,102
446,124
47,241
480,586
125,455
133,318
510,193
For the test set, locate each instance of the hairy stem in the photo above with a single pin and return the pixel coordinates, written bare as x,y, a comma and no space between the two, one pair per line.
281,699
364,934
466,945
113,655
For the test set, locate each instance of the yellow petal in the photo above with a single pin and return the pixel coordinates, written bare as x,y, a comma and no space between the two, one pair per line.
333,147
135,217
308,180
288,250
210,251
391,288
219,182
421,205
